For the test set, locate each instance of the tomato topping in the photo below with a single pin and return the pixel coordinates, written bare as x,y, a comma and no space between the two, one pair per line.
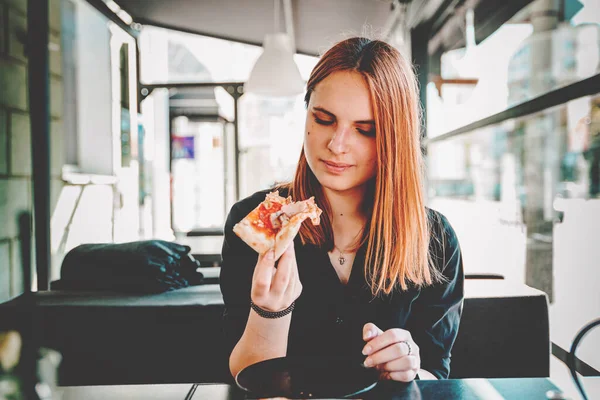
265,216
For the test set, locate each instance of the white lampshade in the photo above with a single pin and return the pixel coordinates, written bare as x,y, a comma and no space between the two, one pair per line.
275,73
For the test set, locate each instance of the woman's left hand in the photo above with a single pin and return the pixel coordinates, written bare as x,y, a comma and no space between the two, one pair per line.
392,352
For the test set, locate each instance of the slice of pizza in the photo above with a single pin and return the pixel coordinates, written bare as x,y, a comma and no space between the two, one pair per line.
275,222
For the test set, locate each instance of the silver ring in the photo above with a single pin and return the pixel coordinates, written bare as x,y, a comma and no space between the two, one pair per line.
409,348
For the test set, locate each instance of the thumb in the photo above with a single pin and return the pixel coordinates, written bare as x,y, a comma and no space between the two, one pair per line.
370,331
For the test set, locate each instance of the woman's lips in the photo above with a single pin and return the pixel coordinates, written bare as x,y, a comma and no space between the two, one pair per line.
336,168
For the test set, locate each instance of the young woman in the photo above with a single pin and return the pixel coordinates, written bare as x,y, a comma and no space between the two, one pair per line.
380,280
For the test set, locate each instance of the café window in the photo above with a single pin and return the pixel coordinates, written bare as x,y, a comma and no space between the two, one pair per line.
513,154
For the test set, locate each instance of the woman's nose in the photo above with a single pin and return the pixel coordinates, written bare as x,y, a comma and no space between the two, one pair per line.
339,142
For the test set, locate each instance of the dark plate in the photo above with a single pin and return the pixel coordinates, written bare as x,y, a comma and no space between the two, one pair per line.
306,378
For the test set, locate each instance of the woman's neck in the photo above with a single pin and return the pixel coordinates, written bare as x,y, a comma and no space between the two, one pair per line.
348,218
347,204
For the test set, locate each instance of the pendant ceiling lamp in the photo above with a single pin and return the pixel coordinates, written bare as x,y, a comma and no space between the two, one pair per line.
275,73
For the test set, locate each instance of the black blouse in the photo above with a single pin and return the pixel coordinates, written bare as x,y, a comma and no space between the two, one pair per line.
329,316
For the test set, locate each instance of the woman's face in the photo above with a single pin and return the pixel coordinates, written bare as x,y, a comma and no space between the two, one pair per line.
339,138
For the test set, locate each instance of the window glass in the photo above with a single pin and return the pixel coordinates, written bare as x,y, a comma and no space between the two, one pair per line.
532,54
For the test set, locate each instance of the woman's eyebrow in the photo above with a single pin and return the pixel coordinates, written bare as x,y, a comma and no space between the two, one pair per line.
321,109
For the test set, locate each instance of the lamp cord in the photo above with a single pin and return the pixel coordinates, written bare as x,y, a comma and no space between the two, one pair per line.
571,355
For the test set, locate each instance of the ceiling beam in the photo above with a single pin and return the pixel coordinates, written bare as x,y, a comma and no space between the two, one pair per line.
108,13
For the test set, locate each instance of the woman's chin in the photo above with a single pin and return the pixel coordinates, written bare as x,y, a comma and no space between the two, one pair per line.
335,183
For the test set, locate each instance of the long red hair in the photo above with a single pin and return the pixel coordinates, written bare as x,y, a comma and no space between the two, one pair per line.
397,232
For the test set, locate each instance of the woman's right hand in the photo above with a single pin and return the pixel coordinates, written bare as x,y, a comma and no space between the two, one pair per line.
275,289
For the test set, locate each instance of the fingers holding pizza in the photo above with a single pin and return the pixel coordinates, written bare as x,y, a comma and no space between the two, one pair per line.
270,230
275,289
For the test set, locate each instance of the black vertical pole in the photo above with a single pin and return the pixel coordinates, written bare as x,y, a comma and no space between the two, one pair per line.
138,75
39,112
419,38
28,317
39,115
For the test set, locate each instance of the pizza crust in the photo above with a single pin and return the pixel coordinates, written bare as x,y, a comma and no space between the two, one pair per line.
261,241
255,239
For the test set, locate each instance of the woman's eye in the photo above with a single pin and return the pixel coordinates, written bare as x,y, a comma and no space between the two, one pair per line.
369,133
322,121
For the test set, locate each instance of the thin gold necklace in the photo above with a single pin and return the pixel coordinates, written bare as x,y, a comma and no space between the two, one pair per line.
341,257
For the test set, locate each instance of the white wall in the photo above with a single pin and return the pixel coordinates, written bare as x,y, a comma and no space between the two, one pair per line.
155,111
94,92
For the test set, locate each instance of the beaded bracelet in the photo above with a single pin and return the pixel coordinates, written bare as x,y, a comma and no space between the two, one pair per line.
272,314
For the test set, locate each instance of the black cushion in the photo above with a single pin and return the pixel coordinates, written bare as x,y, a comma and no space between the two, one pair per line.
150,266
503,337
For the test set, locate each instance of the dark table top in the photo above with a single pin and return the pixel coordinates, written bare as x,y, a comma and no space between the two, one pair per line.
463,389
211,294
